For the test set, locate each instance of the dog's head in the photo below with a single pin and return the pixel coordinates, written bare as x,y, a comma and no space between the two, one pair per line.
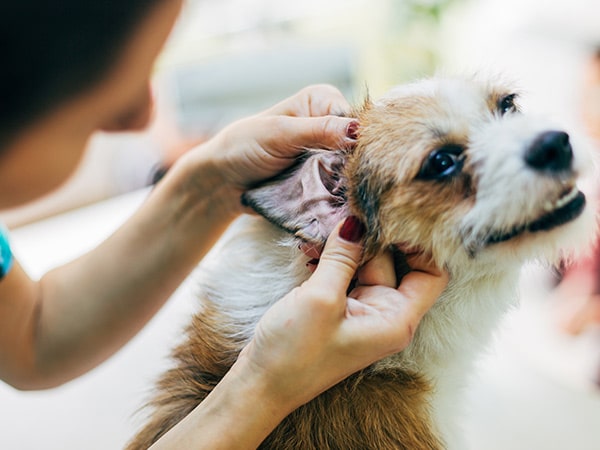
447,166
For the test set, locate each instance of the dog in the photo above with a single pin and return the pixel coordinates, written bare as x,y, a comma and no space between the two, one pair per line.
446,165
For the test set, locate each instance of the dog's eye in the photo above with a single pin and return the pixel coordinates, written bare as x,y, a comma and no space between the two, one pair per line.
507,104
442,163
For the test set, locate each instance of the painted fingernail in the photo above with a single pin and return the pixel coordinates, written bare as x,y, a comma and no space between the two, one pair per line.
352,230
352,130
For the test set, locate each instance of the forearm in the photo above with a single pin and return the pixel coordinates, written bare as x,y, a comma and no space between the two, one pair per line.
84,311
238,414
94,305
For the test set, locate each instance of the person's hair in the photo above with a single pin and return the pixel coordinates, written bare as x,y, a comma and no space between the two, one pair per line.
51,51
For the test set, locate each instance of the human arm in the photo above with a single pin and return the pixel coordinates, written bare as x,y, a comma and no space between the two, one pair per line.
79,314
311,339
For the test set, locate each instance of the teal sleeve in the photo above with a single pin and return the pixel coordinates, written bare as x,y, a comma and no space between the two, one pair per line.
6,257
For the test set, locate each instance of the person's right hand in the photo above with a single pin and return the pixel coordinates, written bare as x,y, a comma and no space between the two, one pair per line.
261,146
310,340
317,335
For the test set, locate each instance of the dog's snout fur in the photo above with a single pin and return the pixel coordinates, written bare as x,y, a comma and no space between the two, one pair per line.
551,151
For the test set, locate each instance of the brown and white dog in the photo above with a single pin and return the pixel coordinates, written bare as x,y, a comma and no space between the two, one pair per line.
446,165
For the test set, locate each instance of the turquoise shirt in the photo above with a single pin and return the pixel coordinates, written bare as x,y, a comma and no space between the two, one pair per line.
6,257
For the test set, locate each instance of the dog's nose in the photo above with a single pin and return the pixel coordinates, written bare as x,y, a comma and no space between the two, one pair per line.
551,151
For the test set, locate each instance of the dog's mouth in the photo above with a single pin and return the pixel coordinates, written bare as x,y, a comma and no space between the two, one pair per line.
567,208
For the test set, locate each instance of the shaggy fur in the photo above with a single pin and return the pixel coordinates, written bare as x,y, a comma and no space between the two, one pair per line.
479,220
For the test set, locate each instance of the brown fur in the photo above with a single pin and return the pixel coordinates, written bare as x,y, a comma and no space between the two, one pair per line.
200,363
384,196
383,411
378,411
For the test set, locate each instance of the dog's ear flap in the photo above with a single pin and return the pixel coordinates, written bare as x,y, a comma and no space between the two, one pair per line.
308,199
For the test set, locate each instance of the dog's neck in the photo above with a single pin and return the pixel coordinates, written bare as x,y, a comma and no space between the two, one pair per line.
460,324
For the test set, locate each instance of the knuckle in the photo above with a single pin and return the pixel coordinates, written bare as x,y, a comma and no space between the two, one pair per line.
325,99
343,262
332,129
321,88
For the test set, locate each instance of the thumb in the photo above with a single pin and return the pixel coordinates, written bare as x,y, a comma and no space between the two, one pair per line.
341,256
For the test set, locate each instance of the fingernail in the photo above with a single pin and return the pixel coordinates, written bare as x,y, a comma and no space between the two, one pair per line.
352,230
352,130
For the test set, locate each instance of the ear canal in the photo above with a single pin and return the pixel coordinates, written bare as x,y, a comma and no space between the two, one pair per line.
308,199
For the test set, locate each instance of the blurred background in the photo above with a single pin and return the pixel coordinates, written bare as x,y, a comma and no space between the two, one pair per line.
537,387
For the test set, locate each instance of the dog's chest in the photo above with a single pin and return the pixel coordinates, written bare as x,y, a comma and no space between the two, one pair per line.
258,264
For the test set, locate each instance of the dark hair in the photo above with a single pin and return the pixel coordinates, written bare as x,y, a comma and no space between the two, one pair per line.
50,51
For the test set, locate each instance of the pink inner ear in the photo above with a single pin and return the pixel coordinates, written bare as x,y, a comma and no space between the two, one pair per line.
307,200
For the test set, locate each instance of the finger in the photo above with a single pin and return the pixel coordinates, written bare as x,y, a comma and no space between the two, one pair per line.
340,258
422,262
379,271
299,133
316,100
423,284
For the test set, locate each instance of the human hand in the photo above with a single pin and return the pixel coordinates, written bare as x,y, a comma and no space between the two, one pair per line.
317,335
259,147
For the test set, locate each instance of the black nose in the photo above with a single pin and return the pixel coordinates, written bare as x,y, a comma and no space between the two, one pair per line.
551,151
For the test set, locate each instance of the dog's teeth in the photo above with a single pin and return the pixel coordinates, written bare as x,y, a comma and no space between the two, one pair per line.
567,198
548,206
551,206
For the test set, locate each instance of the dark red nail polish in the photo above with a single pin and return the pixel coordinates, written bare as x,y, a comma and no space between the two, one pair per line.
352,230
352,130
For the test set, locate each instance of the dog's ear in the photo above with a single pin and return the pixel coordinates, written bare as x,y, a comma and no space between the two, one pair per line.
308,199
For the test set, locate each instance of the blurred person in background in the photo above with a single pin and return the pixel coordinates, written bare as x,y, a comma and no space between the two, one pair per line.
71,68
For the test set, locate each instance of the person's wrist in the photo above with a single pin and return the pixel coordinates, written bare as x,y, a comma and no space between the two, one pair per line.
203,183
215,423
246,392
275,401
